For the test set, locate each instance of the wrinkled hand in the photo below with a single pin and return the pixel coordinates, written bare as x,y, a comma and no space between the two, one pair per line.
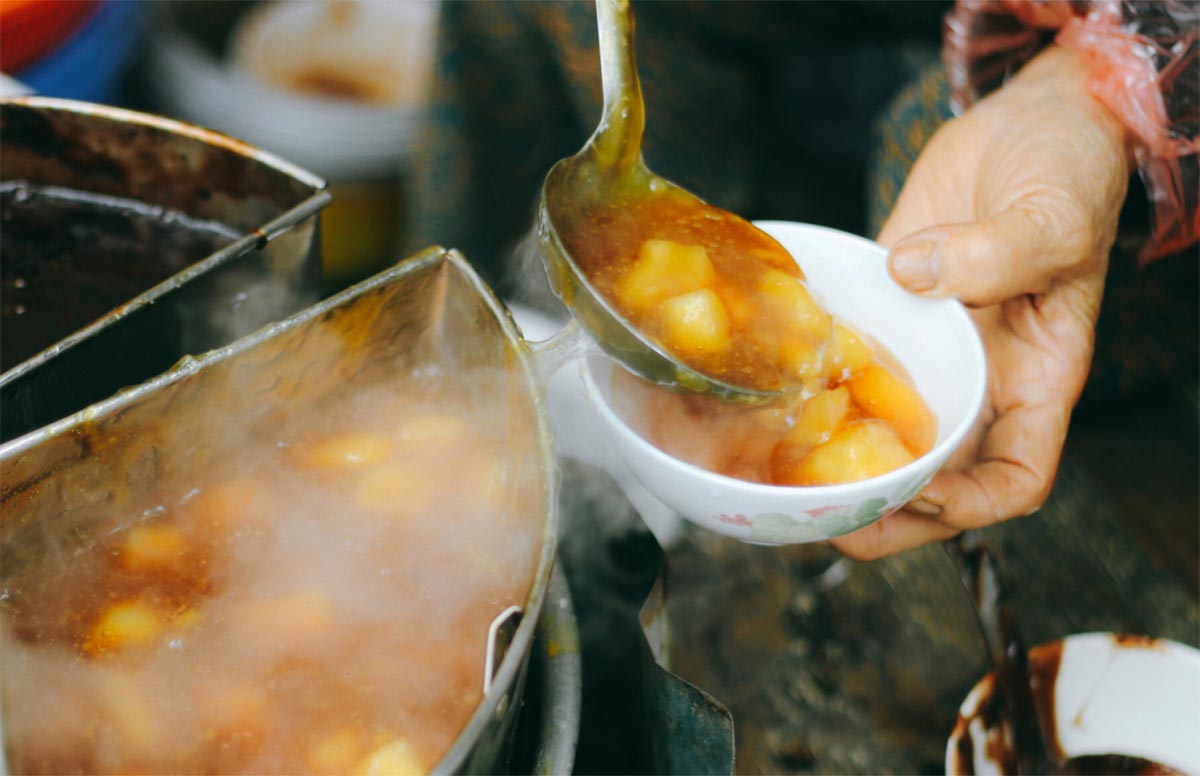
1011,208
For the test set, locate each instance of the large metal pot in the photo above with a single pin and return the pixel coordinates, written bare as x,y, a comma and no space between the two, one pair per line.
66,483
268,268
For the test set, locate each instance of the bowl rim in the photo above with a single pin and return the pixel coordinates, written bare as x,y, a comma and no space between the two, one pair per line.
982,689
940,452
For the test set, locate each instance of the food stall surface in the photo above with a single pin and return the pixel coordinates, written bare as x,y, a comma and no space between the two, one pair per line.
864,674
862,669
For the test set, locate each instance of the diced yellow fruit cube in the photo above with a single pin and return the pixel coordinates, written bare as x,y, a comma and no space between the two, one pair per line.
813,423
695,323
882,395
341,452
738,304
861,450
396,487
795,306
435,429
801,358
293,618
126,625
336,751
846,354
819,418
153,548
395,759
664,269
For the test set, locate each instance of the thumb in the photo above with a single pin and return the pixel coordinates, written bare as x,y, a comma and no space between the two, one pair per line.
1020,250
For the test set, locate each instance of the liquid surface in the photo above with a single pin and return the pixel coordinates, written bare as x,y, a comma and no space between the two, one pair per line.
860,417
68,257
321,606
717,293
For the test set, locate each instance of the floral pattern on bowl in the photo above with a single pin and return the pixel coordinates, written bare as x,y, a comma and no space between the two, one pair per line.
778,528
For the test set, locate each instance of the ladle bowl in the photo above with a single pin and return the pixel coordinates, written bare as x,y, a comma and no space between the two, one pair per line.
610,168
935,340
604,323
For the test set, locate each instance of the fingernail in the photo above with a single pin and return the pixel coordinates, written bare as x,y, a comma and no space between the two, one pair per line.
914,265
923,507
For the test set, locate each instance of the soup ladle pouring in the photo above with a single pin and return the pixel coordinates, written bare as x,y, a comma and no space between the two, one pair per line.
609,169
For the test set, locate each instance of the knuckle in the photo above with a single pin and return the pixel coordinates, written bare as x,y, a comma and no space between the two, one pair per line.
1062,221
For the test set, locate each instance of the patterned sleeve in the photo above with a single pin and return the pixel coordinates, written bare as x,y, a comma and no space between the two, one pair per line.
1144,65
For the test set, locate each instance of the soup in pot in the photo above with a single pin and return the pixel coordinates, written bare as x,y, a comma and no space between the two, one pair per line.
320,604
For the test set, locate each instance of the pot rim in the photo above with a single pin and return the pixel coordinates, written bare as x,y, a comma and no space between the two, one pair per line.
317,199
513,661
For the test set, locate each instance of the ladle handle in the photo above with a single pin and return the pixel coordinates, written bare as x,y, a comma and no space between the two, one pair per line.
618,139
568,344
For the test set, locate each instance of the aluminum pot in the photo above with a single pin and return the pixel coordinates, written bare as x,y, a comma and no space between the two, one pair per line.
66,483
267,269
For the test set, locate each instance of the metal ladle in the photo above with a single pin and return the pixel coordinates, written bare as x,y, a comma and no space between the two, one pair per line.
607,169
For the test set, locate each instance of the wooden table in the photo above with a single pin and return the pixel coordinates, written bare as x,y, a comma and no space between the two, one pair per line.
866,676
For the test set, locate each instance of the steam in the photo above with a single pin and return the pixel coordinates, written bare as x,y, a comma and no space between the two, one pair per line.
339,612
530,284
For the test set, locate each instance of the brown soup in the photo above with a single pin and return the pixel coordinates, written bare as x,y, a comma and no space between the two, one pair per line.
727,300
68,257
731,303
321,606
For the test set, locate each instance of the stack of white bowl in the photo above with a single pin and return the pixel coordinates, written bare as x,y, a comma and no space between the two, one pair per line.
281,88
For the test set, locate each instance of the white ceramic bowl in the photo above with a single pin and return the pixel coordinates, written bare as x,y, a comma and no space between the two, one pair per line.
337,139
936,342
1131,696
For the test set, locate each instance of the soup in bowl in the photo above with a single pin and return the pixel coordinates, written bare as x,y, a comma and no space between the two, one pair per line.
931,345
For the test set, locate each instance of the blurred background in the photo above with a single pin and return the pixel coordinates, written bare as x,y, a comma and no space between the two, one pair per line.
336,88
344,88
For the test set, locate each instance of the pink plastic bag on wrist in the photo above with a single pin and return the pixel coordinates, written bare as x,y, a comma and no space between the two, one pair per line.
1144,60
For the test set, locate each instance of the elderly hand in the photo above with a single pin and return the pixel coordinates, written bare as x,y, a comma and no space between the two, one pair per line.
1011,208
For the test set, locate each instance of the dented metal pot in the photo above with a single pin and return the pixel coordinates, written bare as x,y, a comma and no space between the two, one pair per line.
100,209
